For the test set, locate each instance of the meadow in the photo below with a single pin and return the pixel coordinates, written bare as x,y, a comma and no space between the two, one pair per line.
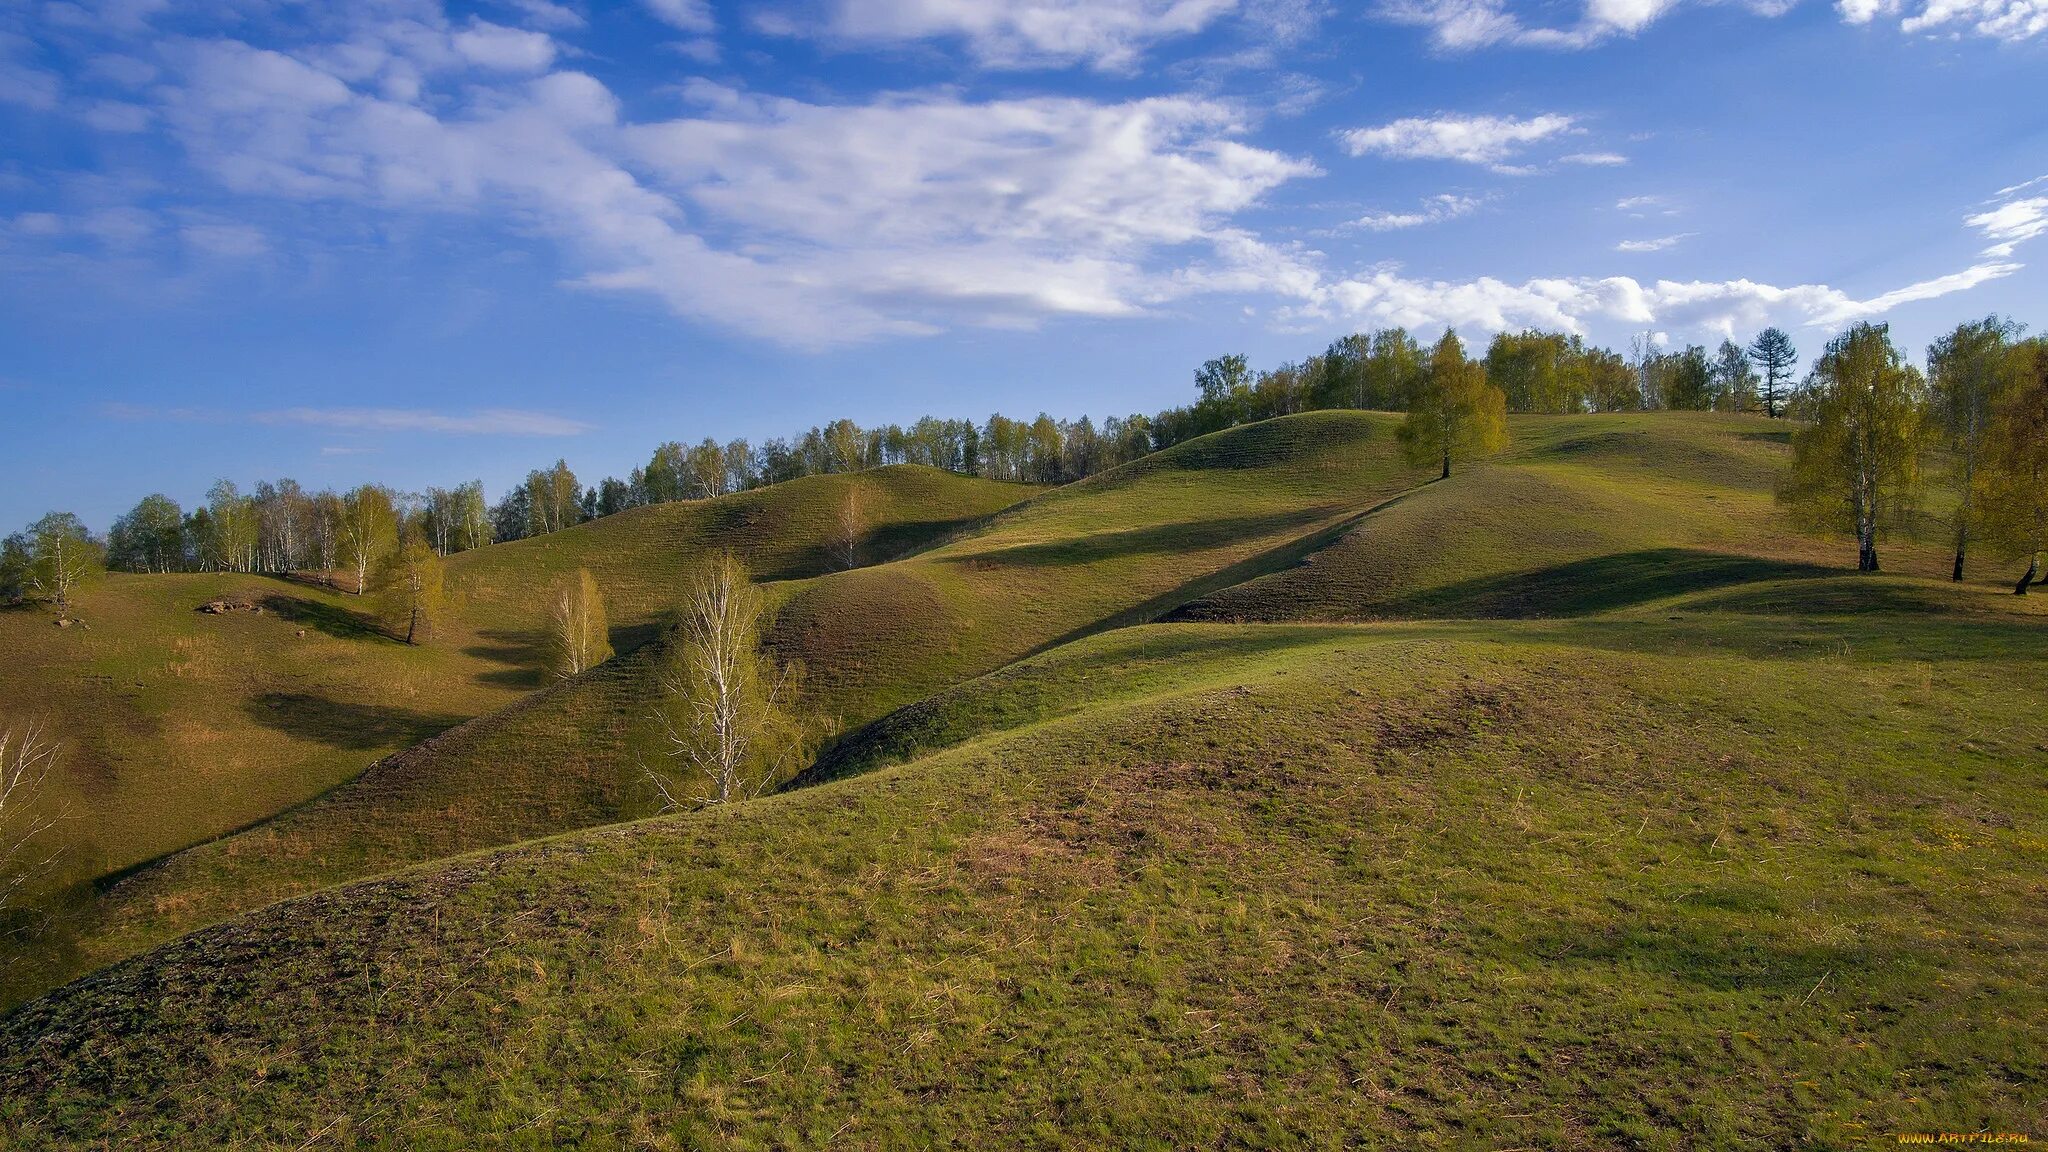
1262,792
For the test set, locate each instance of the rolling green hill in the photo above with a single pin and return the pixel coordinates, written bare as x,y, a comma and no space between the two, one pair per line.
1573,802
1730,880
1123,546
179,726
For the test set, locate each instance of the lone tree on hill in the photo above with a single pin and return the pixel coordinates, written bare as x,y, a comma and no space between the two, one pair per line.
1773,352
2015,472
1455,413
1967,371
726,716
26,763
578,638
61,556
409,590
850,526
1856,467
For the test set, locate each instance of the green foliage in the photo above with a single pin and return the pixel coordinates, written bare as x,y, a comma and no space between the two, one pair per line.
1969,370
1856,466
1455,413
578,635
1773,352
2013,484
410,597
58,557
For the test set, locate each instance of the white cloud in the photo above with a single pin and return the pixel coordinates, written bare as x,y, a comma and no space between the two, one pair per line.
1108,34
1434,210
1657,245
1643,205
228,240
115,116
2008,20
806,223
1488,140
546,15
1572,304
685,15
505,49
2011,224
1594,159
1466,25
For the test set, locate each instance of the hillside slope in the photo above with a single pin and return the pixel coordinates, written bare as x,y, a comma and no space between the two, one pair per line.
1581,514
179,726
1124,545
1752,878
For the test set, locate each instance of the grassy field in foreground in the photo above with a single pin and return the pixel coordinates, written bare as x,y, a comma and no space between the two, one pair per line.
178,725
1761,867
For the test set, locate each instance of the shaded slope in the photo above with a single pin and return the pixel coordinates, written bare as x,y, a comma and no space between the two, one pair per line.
1583,514
1722,882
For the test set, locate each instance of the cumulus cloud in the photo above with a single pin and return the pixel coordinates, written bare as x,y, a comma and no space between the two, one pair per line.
1487,140
1467,25
685,15
1572,304
1107,34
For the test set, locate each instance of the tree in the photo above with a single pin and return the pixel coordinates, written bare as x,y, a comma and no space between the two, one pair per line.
850,526
1773,352
1856,467
578,638
725,716
368,529
1734,379
231,545
552,499
2014,476
1221,378
62,555
150,537
409,596
1455,413
27,761
1686,380
1966,371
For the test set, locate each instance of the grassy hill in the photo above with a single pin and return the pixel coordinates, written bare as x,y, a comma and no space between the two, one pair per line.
1124,546
1720,875
180,726
1582,512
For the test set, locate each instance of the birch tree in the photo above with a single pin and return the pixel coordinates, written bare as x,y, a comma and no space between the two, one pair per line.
1966,372
850,526
1856,467
726,718
62,555
578,636
27,760
2014,479
367,530
409,590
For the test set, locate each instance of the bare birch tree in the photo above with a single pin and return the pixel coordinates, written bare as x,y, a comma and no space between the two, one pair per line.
26,762
726,717
578,637
850,526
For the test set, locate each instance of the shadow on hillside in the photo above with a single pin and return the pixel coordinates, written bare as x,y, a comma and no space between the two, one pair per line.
1602,583
1705,956
1184,536
333,619
519,653
305,716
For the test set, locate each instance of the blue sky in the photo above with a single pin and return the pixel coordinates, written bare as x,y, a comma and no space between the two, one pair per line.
418,243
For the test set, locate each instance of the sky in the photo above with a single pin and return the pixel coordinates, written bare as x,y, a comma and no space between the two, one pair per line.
417,243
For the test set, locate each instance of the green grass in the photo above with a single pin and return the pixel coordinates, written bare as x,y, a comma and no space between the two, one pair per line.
1723,881
179,726
1124,546
1594,809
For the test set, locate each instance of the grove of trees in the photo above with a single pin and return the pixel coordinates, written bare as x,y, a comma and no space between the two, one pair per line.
1968,402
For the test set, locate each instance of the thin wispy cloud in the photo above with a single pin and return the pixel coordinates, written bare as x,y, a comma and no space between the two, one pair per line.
1110,35
1659,244
1434,210
1484,140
